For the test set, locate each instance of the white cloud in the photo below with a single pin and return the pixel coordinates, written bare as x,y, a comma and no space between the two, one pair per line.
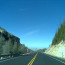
31,32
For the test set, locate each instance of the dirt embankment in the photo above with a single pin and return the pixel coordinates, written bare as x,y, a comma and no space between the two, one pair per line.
57,50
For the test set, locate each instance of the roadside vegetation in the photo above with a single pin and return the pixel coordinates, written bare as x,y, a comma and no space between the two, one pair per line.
60,34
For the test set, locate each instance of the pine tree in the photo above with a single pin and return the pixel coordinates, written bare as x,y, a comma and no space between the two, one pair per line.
60,34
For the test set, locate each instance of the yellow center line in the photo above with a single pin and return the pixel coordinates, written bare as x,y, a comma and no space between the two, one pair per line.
31,62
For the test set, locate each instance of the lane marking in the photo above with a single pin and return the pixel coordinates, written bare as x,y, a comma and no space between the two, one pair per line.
56,59
11,58
33,59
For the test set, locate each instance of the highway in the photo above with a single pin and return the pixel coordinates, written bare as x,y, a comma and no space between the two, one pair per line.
33,59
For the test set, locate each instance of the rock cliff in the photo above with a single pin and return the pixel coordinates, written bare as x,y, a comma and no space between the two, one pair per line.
7,38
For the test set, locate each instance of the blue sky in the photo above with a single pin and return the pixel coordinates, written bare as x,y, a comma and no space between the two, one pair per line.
34,22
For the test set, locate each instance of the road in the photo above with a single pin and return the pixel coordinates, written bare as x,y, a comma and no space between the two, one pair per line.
33,59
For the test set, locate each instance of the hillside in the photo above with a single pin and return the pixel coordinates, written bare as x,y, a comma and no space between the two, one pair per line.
57,48
10,44
60,34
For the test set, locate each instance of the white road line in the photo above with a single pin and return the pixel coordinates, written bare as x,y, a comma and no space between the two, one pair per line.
12,58
57,59
9,59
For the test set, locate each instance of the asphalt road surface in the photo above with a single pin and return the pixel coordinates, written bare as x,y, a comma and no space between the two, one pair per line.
33,59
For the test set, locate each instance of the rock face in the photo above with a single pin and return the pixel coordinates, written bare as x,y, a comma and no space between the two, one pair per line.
9,38
7,35
57,50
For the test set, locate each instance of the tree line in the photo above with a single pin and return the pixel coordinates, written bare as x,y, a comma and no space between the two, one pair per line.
60,34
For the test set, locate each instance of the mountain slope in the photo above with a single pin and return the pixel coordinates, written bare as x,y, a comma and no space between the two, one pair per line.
57,48
8,42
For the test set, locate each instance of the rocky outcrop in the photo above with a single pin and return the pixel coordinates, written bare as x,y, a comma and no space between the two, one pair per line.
6,37
57,50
